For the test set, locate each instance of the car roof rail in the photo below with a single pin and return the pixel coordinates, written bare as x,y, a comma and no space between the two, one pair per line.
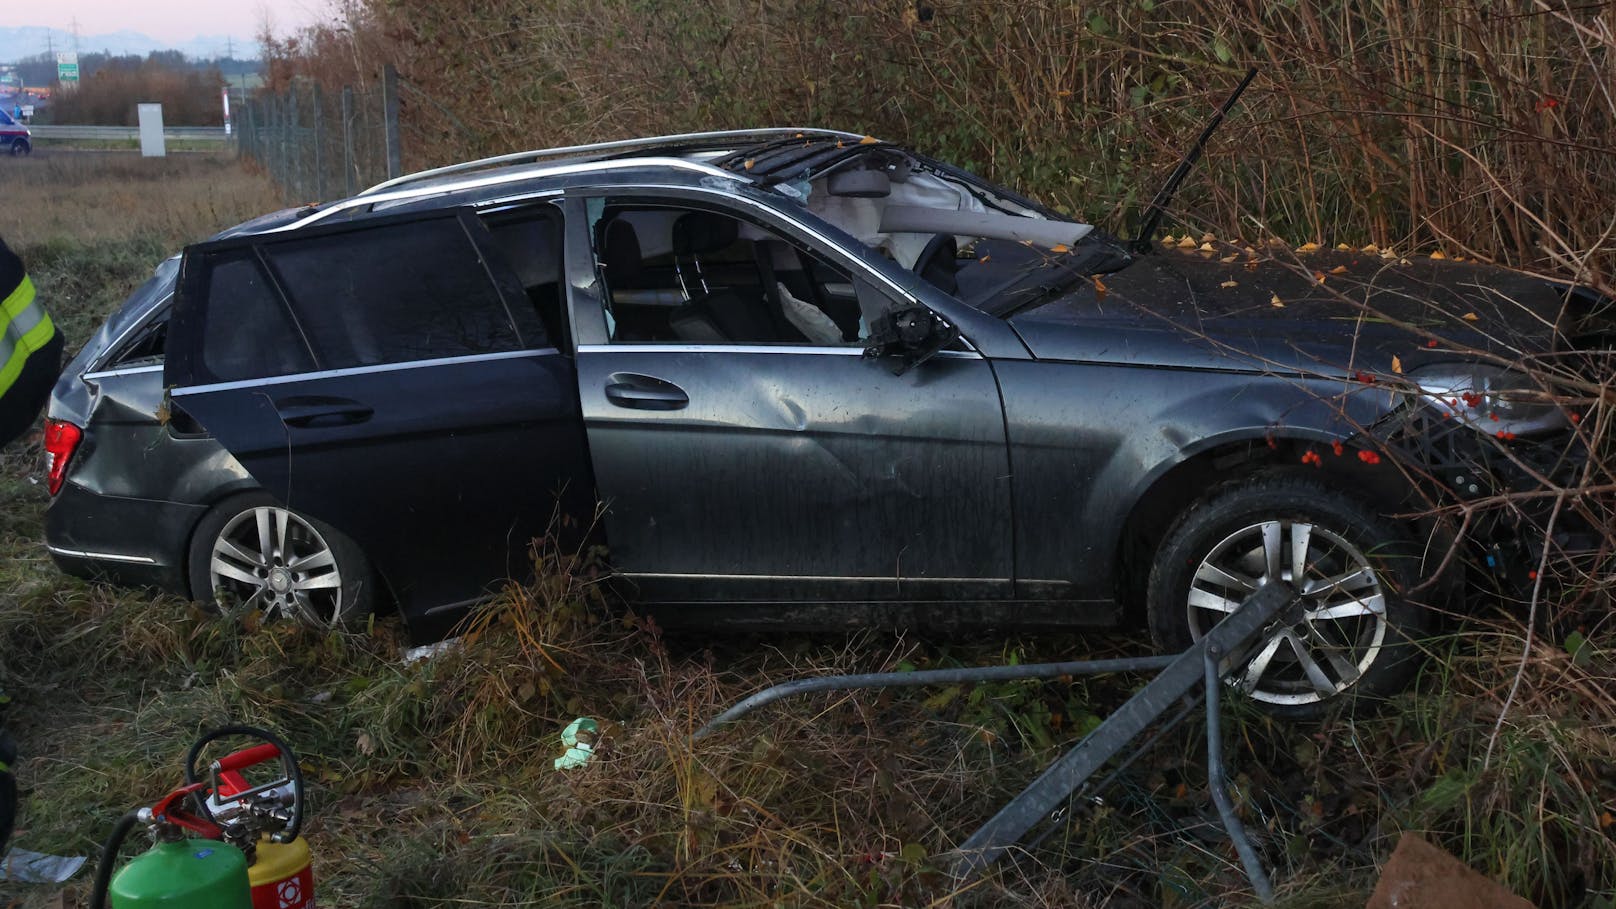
718,137
397,194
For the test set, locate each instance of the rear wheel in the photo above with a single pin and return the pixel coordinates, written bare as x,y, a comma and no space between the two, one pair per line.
1351,635
251,554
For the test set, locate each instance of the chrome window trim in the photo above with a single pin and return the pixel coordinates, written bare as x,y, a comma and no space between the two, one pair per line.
130,371
102,556
493,206
676,347
804,349
362,370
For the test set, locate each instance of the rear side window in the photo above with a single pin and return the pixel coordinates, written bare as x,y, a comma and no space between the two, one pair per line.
412,291
247,332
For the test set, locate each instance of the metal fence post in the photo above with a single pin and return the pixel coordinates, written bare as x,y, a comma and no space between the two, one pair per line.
319,143
295,179
284,159
349,178
395,157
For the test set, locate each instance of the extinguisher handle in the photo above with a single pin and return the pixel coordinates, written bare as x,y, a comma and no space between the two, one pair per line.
229,766
247,757
171,809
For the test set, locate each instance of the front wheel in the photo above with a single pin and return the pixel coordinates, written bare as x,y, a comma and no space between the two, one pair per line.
1352,635
20,147
251,554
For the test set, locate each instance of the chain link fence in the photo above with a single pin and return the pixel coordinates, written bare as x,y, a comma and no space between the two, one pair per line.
319,145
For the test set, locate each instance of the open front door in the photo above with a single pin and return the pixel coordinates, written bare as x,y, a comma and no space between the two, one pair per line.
744,447
393,378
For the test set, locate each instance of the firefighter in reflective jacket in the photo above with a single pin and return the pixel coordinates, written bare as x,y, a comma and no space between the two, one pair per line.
30,350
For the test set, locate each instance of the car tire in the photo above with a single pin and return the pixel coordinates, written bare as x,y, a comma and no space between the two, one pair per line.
1350,640
303,568
20,147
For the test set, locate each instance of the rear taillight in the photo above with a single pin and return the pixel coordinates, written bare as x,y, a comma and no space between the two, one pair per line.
61,440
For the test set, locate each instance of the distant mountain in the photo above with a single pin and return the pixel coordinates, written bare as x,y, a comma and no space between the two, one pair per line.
28,40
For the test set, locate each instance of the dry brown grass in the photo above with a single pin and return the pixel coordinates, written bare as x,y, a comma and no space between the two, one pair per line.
60,195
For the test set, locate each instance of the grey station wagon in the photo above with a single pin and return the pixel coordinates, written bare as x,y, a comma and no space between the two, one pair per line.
808,378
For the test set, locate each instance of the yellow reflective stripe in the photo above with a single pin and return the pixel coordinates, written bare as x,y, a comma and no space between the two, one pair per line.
27,329
22,312
18,299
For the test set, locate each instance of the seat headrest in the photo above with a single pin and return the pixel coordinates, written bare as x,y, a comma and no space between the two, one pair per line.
620,253
699,232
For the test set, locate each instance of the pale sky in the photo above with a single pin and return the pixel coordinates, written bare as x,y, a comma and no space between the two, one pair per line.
175,20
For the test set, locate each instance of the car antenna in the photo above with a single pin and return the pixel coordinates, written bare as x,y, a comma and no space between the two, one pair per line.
1158,205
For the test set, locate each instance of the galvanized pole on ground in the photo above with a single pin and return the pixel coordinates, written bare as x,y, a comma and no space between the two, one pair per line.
348,175
395,156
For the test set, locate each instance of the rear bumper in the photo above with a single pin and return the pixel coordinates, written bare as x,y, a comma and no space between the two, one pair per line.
139,542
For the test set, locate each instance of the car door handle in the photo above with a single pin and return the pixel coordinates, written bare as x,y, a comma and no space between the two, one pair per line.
313,412
645,393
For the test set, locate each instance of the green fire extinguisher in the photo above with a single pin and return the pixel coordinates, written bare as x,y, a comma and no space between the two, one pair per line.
217,843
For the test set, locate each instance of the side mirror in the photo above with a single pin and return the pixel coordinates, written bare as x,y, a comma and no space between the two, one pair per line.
908,336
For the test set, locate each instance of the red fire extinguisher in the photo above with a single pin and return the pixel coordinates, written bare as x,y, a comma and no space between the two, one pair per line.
221,842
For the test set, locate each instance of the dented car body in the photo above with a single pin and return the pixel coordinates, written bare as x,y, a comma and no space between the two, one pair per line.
807,378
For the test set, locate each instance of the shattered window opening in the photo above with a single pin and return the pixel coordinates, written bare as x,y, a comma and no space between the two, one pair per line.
695,276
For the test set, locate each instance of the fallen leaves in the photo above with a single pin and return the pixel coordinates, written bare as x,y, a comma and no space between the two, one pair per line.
1228,284
1276,302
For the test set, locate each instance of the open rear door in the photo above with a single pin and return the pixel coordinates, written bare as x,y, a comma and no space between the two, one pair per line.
392,378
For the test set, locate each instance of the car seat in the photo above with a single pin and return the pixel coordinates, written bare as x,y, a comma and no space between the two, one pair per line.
725,314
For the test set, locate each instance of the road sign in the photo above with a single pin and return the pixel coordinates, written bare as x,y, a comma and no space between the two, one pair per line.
67,68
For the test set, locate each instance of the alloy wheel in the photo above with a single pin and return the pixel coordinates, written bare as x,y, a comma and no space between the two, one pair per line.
1317,651
269,559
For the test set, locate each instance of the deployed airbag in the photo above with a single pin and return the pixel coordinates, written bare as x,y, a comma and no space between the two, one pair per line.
921,220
